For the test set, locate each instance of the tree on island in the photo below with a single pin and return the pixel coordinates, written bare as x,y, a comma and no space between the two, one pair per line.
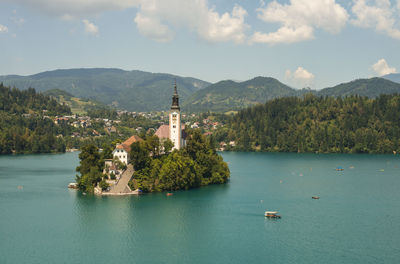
156,167
195,165
90,169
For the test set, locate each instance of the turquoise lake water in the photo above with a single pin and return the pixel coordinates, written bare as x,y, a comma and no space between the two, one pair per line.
357,219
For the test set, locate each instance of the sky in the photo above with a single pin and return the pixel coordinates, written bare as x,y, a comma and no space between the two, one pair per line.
303,43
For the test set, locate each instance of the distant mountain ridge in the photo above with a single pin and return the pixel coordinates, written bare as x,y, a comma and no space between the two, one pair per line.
394,77
231,95
364,87
145,91
130,90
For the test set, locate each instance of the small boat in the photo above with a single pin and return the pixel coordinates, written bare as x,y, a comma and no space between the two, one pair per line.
271,214
315,197
339,169
73,185
170,194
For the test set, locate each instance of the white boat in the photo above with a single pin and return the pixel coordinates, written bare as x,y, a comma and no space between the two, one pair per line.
271,214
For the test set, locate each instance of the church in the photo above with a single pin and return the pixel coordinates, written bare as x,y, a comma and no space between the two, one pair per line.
175,131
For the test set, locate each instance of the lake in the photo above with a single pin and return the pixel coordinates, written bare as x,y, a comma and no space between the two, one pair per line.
356,220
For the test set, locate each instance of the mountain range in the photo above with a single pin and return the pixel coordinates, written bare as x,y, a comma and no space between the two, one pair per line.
145,91
394,77
230,95
130,90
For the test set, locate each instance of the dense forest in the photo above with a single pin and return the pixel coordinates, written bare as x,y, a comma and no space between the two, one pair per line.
15,101
352,124
24,123
195,165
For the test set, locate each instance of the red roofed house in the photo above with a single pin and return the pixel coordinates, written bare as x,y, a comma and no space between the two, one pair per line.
174,130
122,150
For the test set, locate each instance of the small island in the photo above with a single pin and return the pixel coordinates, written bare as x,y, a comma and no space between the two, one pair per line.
173,158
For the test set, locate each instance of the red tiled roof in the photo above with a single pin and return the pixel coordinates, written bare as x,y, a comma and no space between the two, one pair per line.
132,139
163,131
126,145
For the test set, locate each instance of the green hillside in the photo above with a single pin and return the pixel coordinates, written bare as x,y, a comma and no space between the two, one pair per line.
364,87
230,95
312,123
78,105
26,125
130,90
144,91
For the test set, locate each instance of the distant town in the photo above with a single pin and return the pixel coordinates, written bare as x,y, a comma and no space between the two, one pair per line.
85,126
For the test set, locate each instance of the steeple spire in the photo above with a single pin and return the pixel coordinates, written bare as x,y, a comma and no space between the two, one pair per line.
175,99
175,89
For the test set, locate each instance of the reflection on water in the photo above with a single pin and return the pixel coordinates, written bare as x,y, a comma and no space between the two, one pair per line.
44,222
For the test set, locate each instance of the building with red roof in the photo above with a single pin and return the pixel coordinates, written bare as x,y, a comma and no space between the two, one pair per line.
122,150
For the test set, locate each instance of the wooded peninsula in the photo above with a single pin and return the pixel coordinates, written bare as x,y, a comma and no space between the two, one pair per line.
312,123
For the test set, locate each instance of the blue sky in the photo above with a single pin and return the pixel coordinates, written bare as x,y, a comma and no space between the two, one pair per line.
316,43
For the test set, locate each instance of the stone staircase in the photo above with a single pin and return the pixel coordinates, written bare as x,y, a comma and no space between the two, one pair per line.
121,187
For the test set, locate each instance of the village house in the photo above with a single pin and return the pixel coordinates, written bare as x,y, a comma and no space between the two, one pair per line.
59,120
122,150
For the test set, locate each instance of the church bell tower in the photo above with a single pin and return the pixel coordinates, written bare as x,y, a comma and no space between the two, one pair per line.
175,130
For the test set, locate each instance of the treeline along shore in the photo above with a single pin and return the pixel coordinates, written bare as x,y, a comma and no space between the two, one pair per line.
312,123
32,122
25,122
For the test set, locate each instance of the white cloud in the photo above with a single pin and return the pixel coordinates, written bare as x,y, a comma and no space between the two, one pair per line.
378,14
300,78
72,9
153,28
155,19
298,20
3,29
284,35
90,27
382,68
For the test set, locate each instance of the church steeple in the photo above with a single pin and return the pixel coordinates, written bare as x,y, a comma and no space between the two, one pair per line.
175,129
175,99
